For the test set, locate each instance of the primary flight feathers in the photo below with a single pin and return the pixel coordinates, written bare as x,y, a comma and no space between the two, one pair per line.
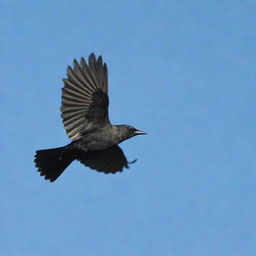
85,92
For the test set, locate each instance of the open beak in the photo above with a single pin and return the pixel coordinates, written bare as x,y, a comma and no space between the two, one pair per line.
137,132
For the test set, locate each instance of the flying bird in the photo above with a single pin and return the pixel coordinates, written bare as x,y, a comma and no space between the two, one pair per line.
84,111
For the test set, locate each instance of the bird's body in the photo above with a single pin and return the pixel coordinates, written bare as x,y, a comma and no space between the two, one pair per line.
101,138
85,117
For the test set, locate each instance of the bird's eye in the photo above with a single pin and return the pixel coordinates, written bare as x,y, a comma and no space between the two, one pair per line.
131,129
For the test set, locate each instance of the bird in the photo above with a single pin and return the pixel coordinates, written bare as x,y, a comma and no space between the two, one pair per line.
84,112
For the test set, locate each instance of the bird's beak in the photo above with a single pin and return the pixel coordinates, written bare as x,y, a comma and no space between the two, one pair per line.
137,132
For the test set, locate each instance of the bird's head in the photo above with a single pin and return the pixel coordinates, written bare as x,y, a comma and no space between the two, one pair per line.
127,131
133,131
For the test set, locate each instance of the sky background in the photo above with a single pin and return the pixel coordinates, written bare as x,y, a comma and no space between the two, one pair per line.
184,71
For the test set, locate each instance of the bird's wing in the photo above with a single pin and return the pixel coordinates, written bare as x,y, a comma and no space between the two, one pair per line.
85,96
110,160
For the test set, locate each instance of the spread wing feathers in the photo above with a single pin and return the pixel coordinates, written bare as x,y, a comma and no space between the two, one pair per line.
85,96
110,160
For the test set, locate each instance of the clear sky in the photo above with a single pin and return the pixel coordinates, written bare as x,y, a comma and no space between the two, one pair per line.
184,71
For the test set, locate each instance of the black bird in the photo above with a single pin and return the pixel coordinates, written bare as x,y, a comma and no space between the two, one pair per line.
84,111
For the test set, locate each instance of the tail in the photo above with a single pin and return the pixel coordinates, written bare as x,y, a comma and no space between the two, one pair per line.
52,162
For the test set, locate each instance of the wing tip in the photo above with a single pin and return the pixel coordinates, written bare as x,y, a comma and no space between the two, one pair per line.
75,63
92,55
82,61
92,58
69,70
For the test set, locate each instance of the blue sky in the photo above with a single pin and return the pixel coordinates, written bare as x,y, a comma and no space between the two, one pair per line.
182,70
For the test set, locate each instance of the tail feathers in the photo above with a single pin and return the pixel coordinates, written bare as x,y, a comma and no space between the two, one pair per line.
52,162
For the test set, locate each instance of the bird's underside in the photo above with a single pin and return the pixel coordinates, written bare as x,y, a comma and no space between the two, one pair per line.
110,160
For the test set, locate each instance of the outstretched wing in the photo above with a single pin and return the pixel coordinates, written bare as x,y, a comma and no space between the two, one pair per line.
110,160
85,97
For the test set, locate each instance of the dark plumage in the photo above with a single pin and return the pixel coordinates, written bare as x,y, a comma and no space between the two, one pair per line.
84,111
